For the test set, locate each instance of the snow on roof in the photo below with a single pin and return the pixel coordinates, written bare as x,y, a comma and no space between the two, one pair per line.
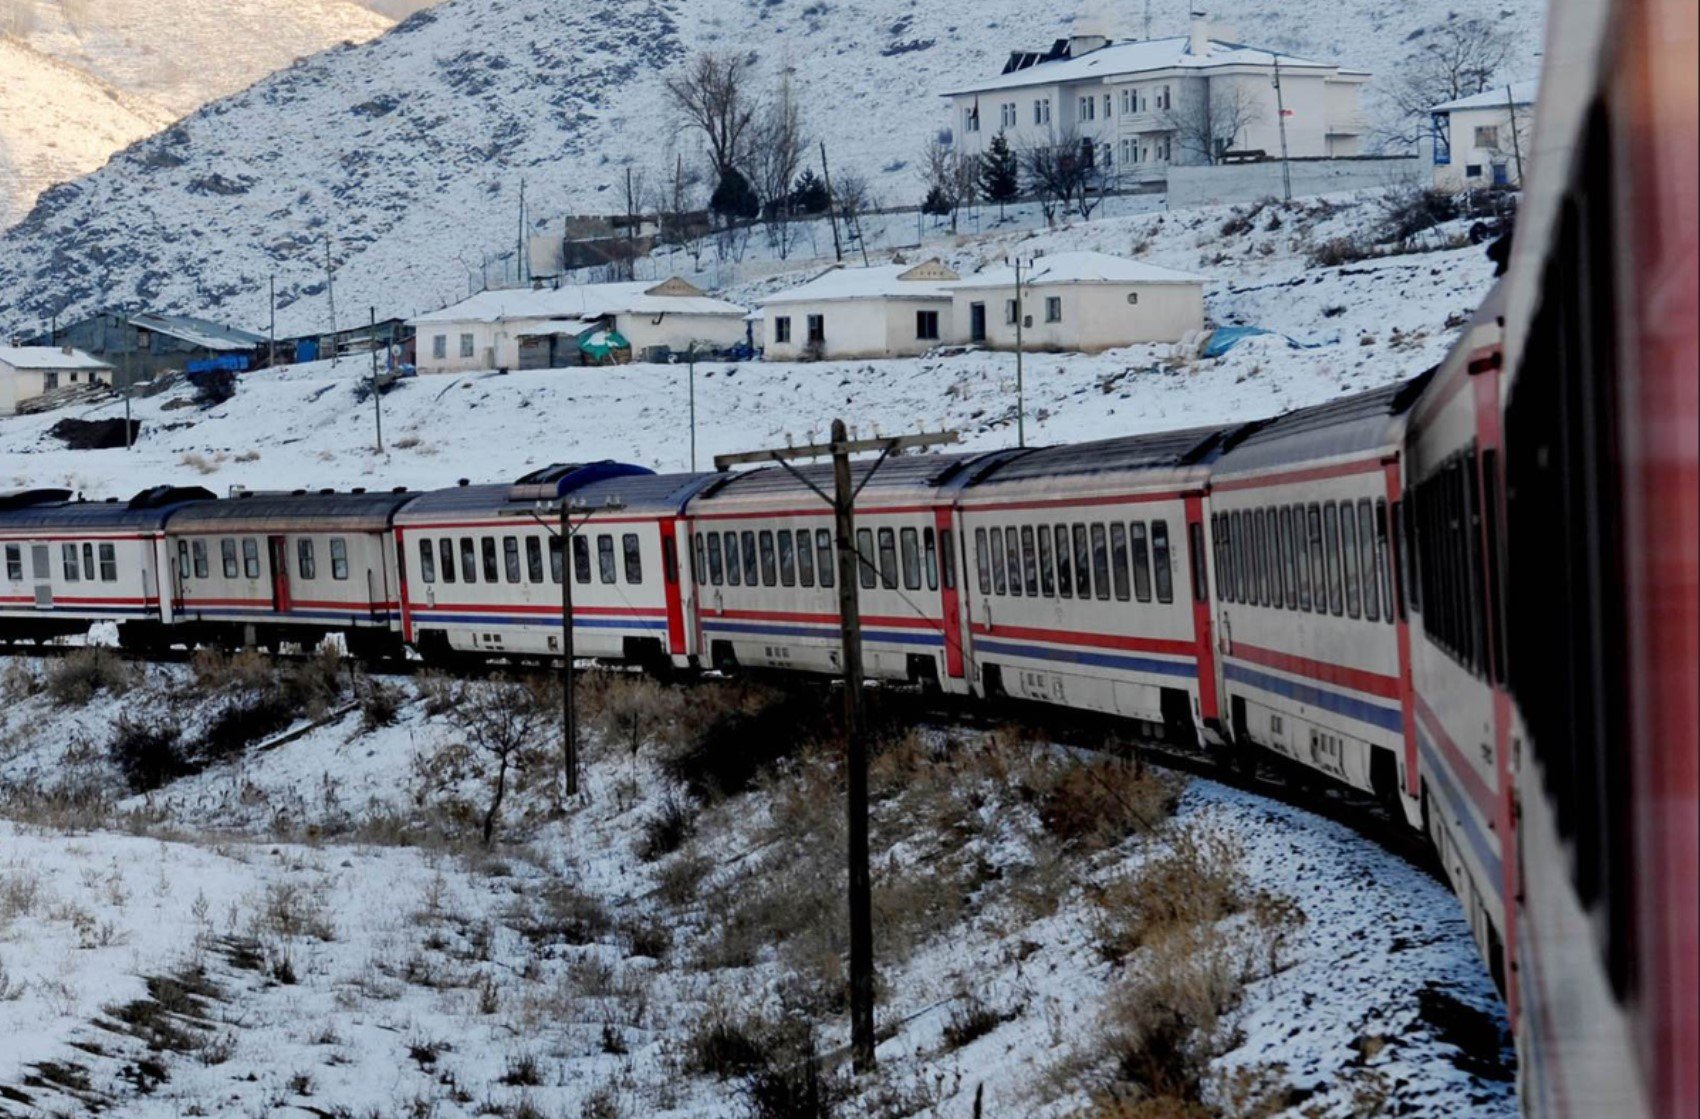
884,281
1521,93
48,357
202,333
1083,267
1142,56
580,302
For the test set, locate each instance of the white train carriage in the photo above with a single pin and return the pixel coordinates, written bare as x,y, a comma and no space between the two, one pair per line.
1453,515
484,567
69,564
265,569
763,546
1315,648
1085,579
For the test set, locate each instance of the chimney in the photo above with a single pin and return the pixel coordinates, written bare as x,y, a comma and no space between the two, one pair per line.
1199,44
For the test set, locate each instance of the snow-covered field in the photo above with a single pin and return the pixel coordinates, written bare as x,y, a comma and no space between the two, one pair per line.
336,966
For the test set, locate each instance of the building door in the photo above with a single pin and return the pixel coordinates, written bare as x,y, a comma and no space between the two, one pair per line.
976,322
1501,175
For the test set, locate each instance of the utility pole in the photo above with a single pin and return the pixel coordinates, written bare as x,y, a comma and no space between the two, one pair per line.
1020,385
377,388
129,379
1281,121
831,205
271,340
843,503
1516,141
330,292
520,263
691,366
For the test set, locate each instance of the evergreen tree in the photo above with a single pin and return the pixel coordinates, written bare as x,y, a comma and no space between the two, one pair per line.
809,196
734,199
1000,173
937,203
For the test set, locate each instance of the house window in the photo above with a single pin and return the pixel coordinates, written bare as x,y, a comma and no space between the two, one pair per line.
1009,312
466,345
1107,106
1042,111
1487,136
1053,308
440,346
49,381
782,330
1472,170
817,329
1007,117
927,326
971,119
1088,108
1163,99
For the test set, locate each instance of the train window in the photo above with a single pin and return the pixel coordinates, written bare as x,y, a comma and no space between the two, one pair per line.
16,573
1366,565
1245,574
983,561
227,555
307,560
787,559
427,561
88,562
930,555
769,568
1082,563
670,561
15,561
997,561
805,559
510,558
251,558
1227,565
1141,561
1272,558
947,561
1331,548
1200,573
1349,556
492,573
824,559
734,568
1259,568
1012,558
339,557
581,559
716,559
1216,554
1318,561
910,542
606,569
1065,568
1047,564
888,559
865,569
1289,559
446,558
699,559
534,559
632,553
1118,560
1403,511
1101,561
108,563
1301,556
1029,562
198,549
469,559
748,540
1160,562
557,558
68,552
1387,525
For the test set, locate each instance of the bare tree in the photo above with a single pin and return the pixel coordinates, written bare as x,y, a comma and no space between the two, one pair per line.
779,148
1214,122
1059,173
502,720
17,18
852,197
1459,58
711,92
622,256
953,180
683,221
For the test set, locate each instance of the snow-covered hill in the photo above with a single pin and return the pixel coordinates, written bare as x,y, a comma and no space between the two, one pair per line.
408,152
81,79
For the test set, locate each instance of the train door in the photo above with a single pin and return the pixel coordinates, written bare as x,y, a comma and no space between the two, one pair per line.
1199,582
673,587
277,548
41,569
951,600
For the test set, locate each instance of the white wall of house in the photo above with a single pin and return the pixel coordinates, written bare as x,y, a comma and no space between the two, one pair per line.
470,346
18,385
677,332
855,328
1089,317
1482,140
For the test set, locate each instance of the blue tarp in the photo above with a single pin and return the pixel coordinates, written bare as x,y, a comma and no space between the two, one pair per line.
1225,338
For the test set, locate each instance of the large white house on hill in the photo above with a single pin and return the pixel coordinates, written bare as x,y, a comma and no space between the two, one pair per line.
1147,104
28,371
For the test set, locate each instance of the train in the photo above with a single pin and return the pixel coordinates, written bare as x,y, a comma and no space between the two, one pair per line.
1470,594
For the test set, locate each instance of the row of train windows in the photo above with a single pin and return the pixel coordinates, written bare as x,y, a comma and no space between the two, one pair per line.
888,558
1328,558
1123,560
193,560
437,559
1452,589
80,563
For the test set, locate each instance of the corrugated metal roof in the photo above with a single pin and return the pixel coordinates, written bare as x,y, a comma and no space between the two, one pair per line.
202,333
294,512
1362,424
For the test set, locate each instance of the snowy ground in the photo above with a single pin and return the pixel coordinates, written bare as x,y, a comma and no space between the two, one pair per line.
1362,325
333,974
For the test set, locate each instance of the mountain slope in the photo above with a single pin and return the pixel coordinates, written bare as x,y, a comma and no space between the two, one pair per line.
408,152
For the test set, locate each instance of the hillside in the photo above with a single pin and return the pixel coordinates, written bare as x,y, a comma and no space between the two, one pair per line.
80,80
408,152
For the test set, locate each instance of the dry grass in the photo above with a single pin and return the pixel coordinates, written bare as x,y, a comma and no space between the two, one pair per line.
74,680
1197,880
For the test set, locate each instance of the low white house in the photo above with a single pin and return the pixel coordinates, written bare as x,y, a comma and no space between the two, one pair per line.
1082,302
28,371
892,310
1482,140
555,328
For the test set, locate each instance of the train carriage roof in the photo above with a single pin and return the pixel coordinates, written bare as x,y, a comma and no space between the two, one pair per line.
1367,423
1166,452
635,488
300,511
54,510
920,474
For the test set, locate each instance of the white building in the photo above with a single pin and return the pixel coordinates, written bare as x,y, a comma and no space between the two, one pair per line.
893,310
1481,140
28,371
1144,105
1082,302
552,328
1072,302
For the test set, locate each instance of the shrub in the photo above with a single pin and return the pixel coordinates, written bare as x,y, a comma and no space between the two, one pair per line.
1166,1022
1406,213
216,671
19,680
1337,251
1097,803
752,729
970,1020
666,830
1196,881
245,720
148,755
74,680
380,704
720,1046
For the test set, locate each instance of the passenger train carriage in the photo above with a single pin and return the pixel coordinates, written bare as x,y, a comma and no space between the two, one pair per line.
69,564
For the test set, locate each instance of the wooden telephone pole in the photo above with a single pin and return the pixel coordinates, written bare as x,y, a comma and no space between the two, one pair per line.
843,503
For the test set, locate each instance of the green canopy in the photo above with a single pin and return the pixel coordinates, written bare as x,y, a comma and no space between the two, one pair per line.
604,347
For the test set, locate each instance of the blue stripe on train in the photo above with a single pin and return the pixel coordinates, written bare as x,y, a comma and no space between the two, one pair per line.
1463,810
1088,658
827,633
1389,719
425,621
